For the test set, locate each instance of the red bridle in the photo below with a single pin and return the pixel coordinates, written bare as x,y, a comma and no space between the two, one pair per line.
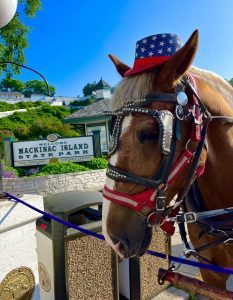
147,199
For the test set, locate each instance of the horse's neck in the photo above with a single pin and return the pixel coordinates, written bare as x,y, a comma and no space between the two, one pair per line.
216,184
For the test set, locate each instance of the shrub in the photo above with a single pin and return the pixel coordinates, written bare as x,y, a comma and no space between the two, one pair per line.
97,163
8,172
61,168
28,171
32,171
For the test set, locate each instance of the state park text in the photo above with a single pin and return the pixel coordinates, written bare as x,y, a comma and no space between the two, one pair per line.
40,152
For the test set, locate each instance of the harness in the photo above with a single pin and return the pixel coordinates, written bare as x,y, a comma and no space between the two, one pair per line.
151,203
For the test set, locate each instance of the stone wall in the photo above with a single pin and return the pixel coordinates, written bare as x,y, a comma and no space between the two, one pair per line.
55,183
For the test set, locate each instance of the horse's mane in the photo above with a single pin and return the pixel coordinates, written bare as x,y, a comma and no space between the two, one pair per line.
132,88
217,82
137,87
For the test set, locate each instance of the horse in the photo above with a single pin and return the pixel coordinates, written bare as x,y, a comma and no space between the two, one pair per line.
138,151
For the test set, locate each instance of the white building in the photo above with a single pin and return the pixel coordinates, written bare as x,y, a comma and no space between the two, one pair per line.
13,96
103,90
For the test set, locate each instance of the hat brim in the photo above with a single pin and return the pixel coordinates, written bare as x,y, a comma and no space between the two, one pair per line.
146,63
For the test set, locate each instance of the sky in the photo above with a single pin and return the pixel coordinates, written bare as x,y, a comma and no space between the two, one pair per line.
70,40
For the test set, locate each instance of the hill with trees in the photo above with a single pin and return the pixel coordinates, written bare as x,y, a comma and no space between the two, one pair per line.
36,123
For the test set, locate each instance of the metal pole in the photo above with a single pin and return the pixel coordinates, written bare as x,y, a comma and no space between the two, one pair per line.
30,69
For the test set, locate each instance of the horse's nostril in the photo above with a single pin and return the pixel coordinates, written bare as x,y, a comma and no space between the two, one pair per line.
114,240
123,244
124,248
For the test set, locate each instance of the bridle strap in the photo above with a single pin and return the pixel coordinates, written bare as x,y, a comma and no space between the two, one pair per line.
163,97
193,169
194,165
121,175
224,119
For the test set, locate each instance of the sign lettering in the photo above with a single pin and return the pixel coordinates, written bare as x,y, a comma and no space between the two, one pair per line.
31,153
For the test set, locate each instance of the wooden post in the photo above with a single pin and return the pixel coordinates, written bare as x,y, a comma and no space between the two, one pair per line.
1,182
97,143
8,155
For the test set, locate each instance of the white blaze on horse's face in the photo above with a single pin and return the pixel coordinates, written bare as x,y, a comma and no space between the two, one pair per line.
111,184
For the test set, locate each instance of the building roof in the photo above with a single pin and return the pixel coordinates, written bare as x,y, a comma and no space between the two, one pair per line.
93,110
102,85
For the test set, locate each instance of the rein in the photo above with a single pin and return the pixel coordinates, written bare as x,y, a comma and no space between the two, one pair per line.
151,203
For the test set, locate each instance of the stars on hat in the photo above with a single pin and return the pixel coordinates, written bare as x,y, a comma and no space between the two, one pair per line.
165,44
179,42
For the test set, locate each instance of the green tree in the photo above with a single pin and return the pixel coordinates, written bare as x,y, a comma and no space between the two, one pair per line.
37,87
12,84
89,88
82,103
231,81
14,37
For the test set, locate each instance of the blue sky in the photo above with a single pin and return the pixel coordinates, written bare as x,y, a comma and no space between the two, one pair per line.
71,39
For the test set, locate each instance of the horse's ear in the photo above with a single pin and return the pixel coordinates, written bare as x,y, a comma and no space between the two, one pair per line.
179,63
120,66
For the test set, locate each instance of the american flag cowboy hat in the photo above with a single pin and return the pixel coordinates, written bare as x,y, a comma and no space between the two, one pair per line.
153,50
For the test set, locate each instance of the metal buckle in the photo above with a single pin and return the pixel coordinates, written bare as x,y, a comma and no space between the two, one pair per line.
228,241
149,223
160,203
190,252
190,217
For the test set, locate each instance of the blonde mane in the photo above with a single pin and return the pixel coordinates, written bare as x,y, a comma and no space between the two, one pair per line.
137,87
132,88
217,82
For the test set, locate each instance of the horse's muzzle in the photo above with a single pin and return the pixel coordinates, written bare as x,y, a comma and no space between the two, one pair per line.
131,245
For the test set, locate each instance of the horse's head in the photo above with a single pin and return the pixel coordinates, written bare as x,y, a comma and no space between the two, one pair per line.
145,145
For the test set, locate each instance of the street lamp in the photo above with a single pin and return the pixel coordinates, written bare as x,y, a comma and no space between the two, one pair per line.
7,12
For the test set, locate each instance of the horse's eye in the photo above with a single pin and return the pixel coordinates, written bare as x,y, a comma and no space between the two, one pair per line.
144,136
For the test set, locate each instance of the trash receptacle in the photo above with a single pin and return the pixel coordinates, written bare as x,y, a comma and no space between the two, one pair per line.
73,265
138,276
